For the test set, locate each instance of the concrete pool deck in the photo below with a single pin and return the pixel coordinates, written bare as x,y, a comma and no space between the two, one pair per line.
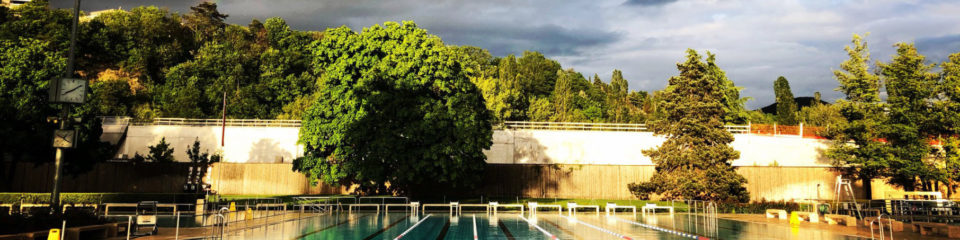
782,228
859,231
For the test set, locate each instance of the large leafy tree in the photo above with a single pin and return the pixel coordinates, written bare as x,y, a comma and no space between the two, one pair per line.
206,21
733,104
695,160
911,88
395,106
856,150
786,105
537,73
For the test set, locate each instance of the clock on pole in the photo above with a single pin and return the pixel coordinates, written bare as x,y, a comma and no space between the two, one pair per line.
68,90
64,138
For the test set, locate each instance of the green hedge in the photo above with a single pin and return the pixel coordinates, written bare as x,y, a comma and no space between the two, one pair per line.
69,198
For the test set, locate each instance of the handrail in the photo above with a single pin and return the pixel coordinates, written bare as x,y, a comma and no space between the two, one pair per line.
535,125
879,221
219,122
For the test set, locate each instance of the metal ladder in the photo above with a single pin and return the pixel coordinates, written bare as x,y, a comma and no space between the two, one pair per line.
843,187
879,222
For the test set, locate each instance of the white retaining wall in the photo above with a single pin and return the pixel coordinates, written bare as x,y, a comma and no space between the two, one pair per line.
279,144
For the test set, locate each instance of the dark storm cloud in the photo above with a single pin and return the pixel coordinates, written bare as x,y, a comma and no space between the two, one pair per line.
938,49
755,40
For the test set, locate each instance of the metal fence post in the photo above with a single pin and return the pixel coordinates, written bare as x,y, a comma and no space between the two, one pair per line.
63,229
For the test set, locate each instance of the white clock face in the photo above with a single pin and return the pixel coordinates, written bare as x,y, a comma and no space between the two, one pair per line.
72,90
63,138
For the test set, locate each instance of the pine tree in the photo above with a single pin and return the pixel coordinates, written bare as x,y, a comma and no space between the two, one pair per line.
617,97
563,96
695,160
786,105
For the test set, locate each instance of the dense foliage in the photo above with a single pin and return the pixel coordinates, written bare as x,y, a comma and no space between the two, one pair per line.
897,139
786,106
395,106
695,160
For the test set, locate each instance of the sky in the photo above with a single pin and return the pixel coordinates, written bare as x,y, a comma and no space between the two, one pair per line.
755,40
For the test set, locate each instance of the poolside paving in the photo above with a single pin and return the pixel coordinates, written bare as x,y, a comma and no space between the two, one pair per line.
859,231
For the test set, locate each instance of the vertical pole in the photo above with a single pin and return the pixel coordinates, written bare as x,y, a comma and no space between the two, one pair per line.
55,194
801,130
63,229
223,130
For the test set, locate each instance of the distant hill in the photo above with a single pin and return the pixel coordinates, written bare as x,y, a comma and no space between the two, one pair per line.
801,102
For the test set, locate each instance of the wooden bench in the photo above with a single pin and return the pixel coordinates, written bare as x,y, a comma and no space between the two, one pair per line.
943,229
849,221
653,207
812,217
777,213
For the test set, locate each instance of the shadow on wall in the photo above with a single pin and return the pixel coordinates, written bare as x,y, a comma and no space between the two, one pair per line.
268,151
529,176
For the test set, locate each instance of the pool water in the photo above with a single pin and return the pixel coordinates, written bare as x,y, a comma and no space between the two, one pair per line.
544,225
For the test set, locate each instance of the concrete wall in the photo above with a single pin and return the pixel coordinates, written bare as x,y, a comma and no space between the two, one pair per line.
546,181
626,148
279,144
243,144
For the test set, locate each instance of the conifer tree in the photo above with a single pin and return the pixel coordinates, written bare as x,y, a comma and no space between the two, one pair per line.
695,160
786,105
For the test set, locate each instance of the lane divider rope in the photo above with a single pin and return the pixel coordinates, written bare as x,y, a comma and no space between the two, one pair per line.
475,227
682,234
412,227
621,236
538,228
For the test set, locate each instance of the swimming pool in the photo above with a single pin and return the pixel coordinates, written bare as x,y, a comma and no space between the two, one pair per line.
542,225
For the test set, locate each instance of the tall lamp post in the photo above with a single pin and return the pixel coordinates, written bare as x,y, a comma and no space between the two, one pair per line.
66,91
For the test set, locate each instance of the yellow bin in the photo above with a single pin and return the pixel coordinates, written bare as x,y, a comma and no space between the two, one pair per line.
54,234
233,206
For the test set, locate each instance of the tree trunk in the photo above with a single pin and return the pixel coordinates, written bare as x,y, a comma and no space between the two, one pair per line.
867,188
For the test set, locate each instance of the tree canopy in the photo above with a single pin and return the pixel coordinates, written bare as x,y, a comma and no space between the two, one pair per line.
786,106
394,106
695,162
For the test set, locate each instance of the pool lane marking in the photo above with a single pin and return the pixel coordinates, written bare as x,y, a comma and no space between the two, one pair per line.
331,226
506,232
682,234
412,227
599,228
538,228
384,229
562,229
475,227
443,233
